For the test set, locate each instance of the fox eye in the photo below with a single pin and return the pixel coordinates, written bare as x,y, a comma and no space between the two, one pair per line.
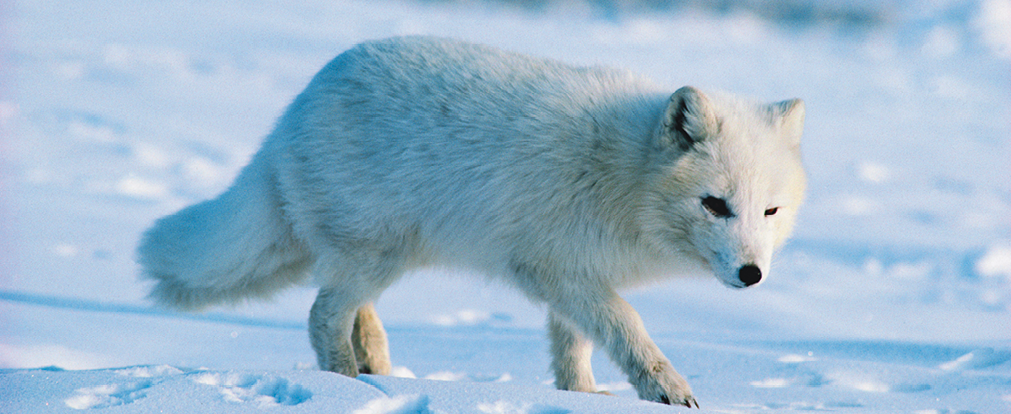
772,211
716,206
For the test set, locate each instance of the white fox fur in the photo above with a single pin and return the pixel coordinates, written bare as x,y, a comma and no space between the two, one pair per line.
567,183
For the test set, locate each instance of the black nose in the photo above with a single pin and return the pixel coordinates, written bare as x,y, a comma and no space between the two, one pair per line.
750,274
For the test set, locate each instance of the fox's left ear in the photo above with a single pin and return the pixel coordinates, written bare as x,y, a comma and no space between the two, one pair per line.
789,116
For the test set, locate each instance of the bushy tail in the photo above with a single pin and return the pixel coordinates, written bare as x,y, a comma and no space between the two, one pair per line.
225,250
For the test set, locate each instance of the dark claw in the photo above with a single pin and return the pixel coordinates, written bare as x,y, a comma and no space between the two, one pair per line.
691,400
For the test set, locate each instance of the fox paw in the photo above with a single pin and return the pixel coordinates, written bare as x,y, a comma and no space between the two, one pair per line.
664,385
688,401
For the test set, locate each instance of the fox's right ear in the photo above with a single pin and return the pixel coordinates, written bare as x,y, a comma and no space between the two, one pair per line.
689,118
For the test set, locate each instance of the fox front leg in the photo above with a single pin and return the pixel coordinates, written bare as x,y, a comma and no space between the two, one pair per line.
570,353
616,327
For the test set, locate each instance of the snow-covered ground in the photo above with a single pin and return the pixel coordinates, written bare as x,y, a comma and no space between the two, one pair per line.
894,296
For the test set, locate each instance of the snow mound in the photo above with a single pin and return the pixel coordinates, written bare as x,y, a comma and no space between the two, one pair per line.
145,389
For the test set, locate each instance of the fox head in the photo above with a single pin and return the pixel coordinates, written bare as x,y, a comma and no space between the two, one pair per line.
729,181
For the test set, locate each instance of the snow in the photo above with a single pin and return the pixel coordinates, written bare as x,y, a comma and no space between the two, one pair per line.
894,295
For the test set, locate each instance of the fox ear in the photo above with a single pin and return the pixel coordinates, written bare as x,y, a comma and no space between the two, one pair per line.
789,116
689,118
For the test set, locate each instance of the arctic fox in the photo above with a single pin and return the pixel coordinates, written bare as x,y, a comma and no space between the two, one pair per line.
565,182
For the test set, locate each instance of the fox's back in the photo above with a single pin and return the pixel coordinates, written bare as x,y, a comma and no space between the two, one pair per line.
454,139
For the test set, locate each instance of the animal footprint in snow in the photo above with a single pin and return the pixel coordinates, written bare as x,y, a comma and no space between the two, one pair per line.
264,391
108,395
794,373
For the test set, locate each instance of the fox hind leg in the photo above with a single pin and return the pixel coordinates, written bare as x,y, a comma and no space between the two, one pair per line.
344,330
331,321
368,338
